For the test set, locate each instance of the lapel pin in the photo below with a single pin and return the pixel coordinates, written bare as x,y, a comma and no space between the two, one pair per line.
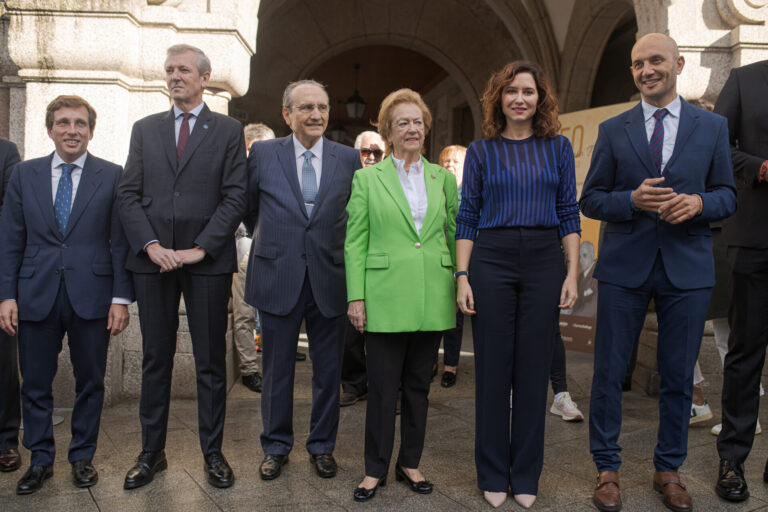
205,126
433,176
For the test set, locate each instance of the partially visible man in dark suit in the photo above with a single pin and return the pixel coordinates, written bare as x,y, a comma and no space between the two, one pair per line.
743,102
298,188
10,403
182,197
586,302
62,270
660,173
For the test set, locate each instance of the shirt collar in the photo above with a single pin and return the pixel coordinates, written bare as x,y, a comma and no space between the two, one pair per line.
57,161
417,167
673,108
195,111
299,149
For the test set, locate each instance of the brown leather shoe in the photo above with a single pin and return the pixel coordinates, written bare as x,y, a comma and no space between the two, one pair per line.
607,497
675,496
10,460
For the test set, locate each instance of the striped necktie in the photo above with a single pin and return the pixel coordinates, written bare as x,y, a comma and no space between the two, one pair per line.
657,139
63,201
308,183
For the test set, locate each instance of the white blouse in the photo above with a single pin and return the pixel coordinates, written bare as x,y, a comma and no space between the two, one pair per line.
415,189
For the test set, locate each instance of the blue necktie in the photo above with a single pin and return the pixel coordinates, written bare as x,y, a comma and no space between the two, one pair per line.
63,201
308,183
657,139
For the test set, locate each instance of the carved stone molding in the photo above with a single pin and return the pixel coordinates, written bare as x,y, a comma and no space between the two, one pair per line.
743,12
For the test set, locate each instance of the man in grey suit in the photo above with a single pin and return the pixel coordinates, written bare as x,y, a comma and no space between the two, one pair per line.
298,188
182,197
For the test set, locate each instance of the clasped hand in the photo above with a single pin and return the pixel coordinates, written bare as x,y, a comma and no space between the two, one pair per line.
168,259
671,206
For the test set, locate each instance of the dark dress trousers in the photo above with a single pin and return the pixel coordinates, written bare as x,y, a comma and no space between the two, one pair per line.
10,403
62,284
295,273
354,376
644,257
198,201
743,102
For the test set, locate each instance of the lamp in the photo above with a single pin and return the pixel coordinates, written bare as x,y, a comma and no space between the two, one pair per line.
355,104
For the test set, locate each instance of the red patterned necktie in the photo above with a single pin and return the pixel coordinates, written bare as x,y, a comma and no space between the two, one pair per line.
183,136
657,139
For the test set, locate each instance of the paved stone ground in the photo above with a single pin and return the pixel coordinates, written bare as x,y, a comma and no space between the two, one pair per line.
448,460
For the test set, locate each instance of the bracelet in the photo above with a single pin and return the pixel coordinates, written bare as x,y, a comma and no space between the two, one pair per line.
701,205
457,275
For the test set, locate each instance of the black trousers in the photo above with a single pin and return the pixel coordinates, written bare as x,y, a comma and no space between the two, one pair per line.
206,298
516,276
397,360
748,319
452,342
557,373
353,373
10,401
39,347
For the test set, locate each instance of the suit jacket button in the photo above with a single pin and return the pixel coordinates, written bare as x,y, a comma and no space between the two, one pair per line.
64,246
417,245
176,194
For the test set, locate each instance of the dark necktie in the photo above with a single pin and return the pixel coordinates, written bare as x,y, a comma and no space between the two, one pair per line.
308,183
63,201
657,139
183,136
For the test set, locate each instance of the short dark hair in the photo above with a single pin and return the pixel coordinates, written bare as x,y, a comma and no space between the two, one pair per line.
69,101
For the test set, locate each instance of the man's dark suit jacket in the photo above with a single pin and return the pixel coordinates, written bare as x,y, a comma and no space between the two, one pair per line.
200,203
9,156
286,242
744,101
91,253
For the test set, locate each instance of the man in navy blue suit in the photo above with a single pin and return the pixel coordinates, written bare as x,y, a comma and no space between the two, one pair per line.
660,173
62,271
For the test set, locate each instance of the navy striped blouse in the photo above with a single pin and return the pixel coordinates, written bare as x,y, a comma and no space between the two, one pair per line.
518,183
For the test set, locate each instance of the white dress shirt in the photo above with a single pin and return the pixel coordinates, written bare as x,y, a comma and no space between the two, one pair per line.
671,122
415,189
317,158
177,113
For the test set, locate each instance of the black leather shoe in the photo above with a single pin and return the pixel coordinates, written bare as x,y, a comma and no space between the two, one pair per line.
33,479
271,466
301,356
448,380
325,465
253,382
765,472
10,460
423,487
218,471
731,484
84,474
362,494
147,464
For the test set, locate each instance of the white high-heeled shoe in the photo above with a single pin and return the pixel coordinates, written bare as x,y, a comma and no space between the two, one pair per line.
495,499
525,500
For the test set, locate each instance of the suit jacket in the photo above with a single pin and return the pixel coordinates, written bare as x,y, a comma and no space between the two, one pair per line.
405,277
197,202
287,244
91,254
9,157
743,101
621,160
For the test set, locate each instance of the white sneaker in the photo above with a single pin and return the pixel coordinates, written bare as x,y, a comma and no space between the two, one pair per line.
565,407
717,428
700,413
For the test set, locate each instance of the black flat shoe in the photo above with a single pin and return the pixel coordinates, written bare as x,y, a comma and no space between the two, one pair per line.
217,470
33,479
301,356
448,380
253,382
325,465
731,484
147,464
362,494
271,466
765,472
84,474
423,487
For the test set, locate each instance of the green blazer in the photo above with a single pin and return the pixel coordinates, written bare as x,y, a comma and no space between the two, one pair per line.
406,279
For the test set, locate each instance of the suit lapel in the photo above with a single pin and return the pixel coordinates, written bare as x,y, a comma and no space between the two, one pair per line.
90,180
287,158
689,118
387,174
203,125
635,128
434,181
168,136
327,174
44,194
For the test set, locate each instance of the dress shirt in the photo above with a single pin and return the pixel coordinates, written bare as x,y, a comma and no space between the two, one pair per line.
415,189
177,114
317,158
671,122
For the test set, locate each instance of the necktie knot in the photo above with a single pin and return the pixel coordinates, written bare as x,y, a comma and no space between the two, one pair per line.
660,114
307,156
66,169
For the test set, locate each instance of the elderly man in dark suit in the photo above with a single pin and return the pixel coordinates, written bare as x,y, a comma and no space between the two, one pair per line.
743,102
182,197
10,404
62,271
298,188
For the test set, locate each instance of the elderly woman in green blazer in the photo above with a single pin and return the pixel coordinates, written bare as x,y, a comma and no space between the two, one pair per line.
400,255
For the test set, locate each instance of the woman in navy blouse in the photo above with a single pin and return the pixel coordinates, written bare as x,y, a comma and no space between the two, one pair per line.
518,206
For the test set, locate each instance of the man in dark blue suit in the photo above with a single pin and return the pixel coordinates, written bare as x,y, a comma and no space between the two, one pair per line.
660,173
62,271
298,189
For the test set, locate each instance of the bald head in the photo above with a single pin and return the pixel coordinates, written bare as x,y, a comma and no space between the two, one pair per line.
656,62
658,41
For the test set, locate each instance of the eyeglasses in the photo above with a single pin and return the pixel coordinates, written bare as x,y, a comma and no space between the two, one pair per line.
366,152
308,108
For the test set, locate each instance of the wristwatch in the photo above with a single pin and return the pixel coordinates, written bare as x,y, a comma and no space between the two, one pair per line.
457,275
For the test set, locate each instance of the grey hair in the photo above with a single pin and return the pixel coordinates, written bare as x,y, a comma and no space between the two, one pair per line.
258,131
203,62
291,86
359,139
